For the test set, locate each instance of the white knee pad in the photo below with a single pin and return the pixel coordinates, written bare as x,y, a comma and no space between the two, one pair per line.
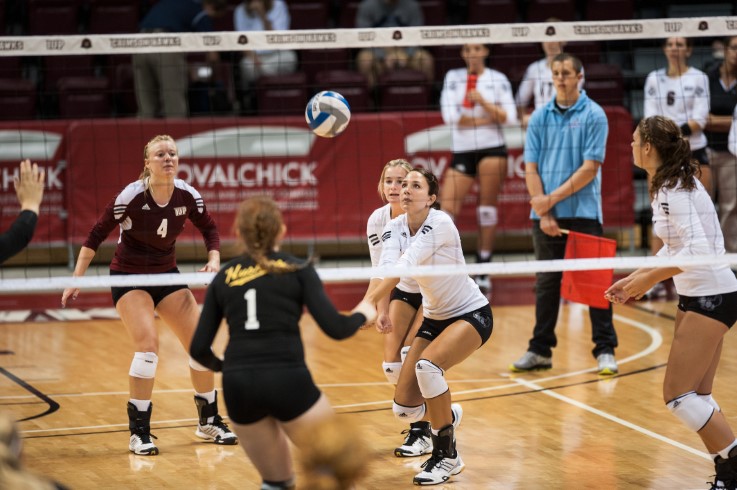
403,353
196,365
711,401
144,365
430,378
693,411
408,414
487,215
391,371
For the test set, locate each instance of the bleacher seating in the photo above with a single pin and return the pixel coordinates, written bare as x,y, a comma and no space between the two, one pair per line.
404,90
604,84
17,99
492,11
349,83
113,16
283,95
84,97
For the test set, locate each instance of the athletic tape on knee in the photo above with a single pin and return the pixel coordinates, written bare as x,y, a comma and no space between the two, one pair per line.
144,365
711,401
692,411
403,353
430,378
391,371
408,414
487,215
196,365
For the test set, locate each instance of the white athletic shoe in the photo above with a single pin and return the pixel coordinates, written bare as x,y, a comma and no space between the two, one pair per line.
141,444
217,431
607,364
417,442
438,469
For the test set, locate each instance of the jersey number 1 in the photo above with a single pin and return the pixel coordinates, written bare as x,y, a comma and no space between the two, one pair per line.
252,322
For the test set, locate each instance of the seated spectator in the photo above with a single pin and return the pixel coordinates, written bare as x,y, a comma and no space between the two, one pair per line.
372,62
264,15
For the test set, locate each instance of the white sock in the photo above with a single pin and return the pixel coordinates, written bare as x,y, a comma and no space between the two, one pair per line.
209,396
141,405
724,453
484,255
434,431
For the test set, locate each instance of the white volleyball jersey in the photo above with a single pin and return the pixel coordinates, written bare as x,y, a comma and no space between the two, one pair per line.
436,243
537,85
687,223
679,98
374,229
495,88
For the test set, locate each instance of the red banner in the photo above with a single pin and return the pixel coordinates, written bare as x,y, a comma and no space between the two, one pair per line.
326,187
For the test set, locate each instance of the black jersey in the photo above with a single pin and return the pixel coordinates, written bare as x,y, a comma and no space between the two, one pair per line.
263,312
17,237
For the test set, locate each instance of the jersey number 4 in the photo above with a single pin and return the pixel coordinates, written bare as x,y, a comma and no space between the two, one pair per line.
252,322
161,231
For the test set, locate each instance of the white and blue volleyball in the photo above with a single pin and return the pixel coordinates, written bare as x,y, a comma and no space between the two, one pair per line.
328,113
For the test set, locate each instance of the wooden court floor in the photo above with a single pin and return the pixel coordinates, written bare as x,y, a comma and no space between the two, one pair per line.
565,428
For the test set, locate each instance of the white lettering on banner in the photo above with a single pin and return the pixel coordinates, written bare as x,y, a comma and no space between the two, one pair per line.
249,174
52,177
516,166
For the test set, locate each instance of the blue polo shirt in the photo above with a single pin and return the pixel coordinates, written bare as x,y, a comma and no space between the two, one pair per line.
177,16
559,142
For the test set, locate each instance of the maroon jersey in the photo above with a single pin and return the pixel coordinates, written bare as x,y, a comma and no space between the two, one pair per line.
148,231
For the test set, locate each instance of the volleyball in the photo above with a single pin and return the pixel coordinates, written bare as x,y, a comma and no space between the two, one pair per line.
327,113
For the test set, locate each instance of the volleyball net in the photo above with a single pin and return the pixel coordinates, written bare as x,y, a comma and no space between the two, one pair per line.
243,140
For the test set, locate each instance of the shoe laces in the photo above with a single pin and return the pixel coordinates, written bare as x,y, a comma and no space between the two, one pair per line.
218,423
144,435
412,436
435,459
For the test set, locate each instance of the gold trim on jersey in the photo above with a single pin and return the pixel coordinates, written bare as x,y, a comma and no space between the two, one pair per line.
238,276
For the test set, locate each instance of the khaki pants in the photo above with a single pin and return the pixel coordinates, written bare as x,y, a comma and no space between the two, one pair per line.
161,81
724,171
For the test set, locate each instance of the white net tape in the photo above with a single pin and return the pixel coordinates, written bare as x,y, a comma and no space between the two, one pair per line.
361,38
354,274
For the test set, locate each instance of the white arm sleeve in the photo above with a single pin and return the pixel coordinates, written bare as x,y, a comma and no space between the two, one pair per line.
700,112
506,100
429,239
525,90
732,141
652,94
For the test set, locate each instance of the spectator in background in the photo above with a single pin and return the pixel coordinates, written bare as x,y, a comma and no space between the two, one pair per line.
536,88
681,93
264,15
372,62
723,99
161,79
564,151
477,102
29,187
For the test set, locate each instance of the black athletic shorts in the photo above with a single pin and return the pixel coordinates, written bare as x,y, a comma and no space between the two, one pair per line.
157,293
720,307
482,320
284,393
412,299
701,156
467,161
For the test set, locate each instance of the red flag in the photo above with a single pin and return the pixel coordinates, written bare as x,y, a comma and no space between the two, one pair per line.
587,287
470,85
